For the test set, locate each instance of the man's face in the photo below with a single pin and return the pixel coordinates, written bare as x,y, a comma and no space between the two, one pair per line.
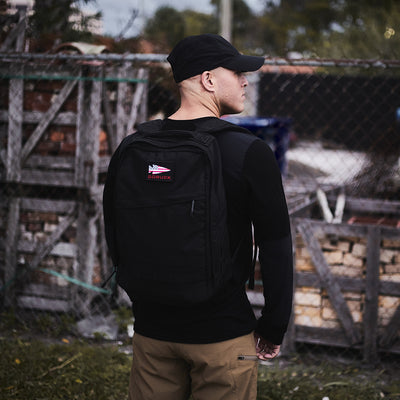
230,90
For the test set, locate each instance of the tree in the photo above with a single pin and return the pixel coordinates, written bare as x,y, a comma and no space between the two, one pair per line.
166,27
332,28
51,23
197,23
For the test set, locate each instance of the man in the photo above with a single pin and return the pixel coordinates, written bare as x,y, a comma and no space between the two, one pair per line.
211,352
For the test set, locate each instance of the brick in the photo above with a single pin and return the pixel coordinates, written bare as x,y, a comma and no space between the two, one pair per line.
102,136
48,217
27,236
56,136
390,277
390,302
328,313
49,227
308,316
307,299
35,227
39,237
357,296
302,252
304,265
387,256
343,270
391,244
333,257
341,245
392,269
359,250
387,307
331,324
357,316
352,261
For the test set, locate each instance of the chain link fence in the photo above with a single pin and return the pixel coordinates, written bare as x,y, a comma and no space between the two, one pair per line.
335,130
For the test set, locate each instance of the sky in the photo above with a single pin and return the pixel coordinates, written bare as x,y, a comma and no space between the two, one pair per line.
116,13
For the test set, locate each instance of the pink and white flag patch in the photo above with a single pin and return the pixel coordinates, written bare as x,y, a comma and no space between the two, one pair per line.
155,169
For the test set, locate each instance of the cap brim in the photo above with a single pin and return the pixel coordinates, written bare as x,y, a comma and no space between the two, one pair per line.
244,63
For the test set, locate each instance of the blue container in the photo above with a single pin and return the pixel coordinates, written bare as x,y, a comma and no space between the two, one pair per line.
275,131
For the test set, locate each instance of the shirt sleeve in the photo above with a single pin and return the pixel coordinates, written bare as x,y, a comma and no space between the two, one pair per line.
271,223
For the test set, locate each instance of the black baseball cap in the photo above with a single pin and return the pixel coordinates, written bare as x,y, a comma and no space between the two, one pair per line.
196,54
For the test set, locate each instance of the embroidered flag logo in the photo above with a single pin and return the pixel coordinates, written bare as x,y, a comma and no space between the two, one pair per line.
157,169
160,172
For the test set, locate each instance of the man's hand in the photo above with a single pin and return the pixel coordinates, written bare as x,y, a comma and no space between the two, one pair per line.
265,349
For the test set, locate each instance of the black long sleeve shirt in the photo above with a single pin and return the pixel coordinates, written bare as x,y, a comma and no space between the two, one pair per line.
255,197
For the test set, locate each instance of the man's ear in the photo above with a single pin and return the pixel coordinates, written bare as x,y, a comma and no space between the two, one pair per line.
208,81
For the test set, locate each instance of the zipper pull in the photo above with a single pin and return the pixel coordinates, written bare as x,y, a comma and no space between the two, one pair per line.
192,209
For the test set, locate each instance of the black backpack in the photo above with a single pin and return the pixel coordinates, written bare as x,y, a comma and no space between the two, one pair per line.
165,216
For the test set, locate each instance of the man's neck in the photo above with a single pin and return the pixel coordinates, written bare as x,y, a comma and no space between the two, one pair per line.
187,114
195,104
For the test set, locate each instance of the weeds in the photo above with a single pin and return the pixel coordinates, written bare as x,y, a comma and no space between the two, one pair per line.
93,371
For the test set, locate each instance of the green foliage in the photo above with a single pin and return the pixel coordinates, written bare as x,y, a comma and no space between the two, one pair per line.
332,28
328,380
34,370
87,371
43,323
51,23
166,27
124,317
197,23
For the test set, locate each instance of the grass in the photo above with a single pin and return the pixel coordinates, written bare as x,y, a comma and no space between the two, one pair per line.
75,369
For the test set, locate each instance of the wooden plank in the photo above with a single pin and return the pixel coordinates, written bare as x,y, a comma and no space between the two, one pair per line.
86,239
105,261
322,336
80,132
88,130
371,205
329,281
47,119
16,35
11,247
371,295
87,155
323,203
43,304
50,162
108,120
136,100
43,249
289,341
67,118
299,208
92,136
339,209
121,116
51,178
330,337
143,109
20,40
391,331
353,230
14,144
46,291
46,205
60,249
321,227
310,279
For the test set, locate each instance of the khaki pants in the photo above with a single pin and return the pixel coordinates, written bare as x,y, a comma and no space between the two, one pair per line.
174,371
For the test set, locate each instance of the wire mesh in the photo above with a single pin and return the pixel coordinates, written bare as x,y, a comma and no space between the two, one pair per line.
336,125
